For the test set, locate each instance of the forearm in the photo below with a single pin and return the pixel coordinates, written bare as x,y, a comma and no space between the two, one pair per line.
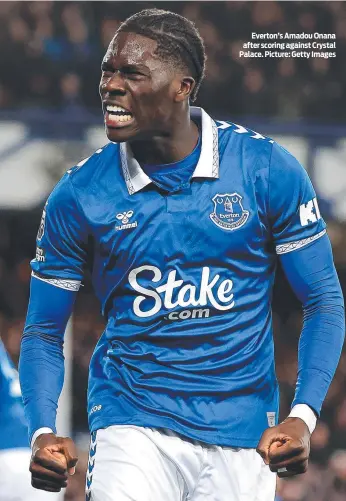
41,365
320,347
312,275
41,369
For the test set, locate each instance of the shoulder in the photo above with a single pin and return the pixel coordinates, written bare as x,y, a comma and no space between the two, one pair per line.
101,157
283,163
83,174
243,141
254,144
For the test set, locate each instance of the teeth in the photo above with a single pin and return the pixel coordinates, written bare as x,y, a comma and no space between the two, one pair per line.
115,108
120,118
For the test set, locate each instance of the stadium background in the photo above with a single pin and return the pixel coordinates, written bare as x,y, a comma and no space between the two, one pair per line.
50,118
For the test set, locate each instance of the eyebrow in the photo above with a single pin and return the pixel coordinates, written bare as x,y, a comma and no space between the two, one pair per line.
106,64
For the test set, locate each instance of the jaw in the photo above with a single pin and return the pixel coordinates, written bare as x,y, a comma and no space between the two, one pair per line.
120,134
118,128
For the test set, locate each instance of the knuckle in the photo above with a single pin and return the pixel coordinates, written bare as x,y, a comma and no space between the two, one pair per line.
266,433
299,447
260,448
39,454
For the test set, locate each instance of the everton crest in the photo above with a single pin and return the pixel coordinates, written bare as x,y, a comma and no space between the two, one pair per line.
229,213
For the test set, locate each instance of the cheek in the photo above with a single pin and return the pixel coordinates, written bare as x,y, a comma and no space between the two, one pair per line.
163,105
101,84
153,101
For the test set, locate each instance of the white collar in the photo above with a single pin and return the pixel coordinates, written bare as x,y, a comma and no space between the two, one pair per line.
207,166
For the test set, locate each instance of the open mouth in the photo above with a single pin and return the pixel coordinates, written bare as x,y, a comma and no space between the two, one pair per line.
116,116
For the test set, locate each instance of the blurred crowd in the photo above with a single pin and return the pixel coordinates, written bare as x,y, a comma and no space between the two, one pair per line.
51,52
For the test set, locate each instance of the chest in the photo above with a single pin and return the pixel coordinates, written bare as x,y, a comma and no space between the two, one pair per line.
206,219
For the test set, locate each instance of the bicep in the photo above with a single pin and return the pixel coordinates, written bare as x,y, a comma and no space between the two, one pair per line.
62,239
311,272
49,309
295,219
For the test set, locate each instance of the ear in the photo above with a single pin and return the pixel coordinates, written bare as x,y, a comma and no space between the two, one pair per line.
184,89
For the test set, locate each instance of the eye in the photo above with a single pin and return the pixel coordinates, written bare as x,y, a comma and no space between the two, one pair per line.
133,73
106,68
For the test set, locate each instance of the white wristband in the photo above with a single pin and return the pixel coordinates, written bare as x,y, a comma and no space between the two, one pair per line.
304,412
39,432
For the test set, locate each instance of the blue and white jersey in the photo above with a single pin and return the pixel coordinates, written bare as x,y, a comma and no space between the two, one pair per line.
13,427
185,280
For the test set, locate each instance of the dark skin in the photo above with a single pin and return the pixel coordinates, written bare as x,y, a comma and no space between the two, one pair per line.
155,94
53,459
286,446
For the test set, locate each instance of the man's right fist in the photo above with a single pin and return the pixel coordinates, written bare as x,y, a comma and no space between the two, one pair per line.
53,459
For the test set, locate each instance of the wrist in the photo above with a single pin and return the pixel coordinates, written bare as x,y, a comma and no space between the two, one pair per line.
306,414
39,432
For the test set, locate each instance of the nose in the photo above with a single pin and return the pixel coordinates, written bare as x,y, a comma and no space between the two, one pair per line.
113,84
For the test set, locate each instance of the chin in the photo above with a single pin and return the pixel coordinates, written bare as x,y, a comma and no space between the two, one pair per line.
120,134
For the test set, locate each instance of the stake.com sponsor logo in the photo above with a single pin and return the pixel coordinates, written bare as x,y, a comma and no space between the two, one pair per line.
210,292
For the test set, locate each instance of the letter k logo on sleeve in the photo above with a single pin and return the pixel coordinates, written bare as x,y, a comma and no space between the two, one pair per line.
309,213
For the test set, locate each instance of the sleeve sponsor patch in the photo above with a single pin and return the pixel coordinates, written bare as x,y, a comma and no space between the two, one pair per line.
40,255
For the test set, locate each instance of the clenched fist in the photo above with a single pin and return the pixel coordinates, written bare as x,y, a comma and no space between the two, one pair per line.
53,459
286,447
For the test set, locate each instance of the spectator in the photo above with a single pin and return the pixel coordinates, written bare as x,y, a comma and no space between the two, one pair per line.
71,37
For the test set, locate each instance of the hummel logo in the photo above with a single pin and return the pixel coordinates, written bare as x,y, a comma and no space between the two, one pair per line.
125,217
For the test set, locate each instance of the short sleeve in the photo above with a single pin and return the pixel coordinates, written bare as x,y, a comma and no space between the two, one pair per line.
62,237
293,208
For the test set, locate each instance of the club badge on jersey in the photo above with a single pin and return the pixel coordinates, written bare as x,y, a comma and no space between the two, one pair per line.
229,213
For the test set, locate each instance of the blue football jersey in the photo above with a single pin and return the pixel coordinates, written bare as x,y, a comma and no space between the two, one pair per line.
13,427
185,280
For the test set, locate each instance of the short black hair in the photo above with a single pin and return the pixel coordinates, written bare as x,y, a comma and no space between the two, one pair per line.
177,38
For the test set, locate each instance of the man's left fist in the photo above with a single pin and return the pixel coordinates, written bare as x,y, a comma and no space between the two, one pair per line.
286,447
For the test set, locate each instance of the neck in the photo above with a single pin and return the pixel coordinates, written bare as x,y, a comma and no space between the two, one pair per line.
168,146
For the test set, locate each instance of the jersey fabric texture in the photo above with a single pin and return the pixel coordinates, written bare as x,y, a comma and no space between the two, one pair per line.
13,425
184,278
